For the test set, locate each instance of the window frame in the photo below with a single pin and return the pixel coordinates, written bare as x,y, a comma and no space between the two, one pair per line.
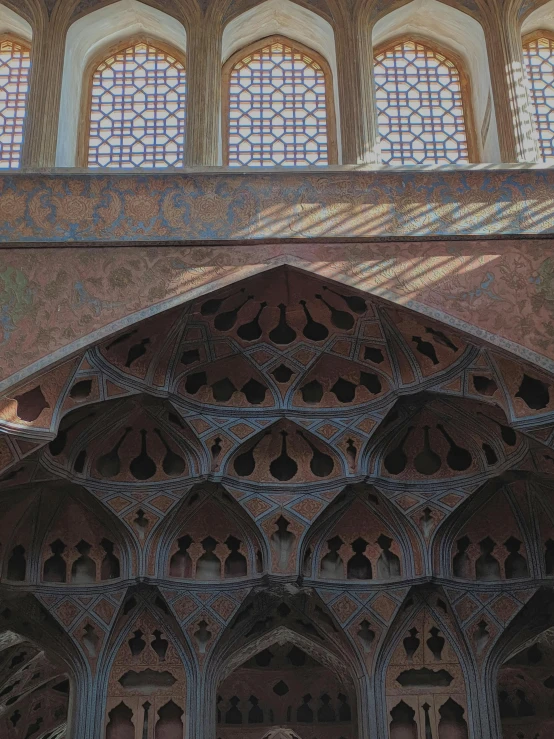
526,39
28,47
91,68
331,122
474,150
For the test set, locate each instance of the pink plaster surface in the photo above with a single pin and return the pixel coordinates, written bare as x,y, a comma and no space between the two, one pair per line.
55,301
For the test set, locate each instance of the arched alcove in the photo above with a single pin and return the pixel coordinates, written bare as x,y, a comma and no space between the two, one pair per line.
358,538
15,67
283,685
147,685
78,548
210,539
540,18
525,690
538,40
14,24
451,29
521,670
106,28
291,20
57,532
491,540
34,688
284,648
426,693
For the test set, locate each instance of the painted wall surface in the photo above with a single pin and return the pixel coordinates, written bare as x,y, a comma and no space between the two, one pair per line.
57,300
335,203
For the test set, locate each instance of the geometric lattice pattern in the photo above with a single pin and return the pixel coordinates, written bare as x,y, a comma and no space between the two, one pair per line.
277,109
539,58
15,63
137,116
420,107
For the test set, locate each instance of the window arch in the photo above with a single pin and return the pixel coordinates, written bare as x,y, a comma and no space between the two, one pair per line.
15,65
279,106
137,102
423,109
538,52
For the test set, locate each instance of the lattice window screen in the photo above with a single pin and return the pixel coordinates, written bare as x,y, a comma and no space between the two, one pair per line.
420,109
15,65
539,60
137,115
278,111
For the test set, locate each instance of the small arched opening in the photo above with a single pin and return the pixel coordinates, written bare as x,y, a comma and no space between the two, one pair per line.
284,687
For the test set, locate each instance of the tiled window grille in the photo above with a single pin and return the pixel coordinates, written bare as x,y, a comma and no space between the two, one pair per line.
15,65
420,107
539,59
278,108
137,113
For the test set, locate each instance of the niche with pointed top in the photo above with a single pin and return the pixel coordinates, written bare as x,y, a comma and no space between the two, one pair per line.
285,453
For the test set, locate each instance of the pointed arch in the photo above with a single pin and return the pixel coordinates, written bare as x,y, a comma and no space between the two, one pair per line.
459,37
423,648
260,83
359,513
296,23
287,453
16,25
135,104
209,522
44,667
423,443
89,39
538,54
491,536
34,687
270,619
90,538
65,517
15,45
439,129
145,442
516,668
145,663
538,23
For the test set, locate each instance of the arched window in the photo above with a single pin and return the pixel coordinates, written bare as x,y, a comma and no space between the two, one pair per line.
420,104
15,64
137,109
538,52
279,109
